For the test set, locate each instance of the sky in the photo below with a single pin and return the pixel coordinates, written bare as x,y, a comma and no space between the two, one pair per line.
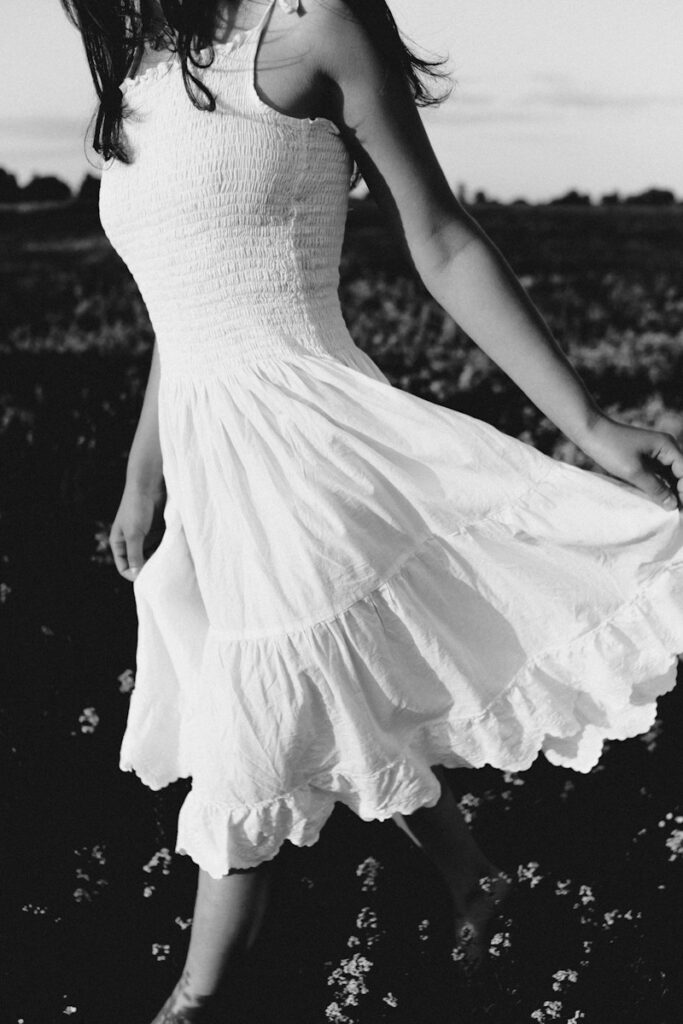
550,94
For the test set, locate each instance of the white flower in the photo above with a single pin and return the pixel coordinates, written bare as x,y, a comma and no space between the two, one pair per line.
529,873
566,789
467,805
334,1013
500,941
163,857
511,779
586,894
650,738
564,978
366,919
675,844
89,720
553,1009
368,871
126,681
97,854
31,908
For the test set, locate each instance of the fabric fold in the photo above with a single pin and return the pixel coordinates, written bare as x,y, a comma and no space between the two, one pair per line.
422,670
355,584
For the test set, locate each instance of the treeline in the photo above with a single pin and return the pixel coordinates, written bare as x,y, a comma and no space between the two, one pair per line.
650,197
46,189
53,190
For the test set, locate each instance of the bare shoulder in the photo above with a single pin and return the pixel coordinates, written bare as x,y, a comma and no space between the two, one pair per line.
338,39
330,14
321,32
323,50
361,55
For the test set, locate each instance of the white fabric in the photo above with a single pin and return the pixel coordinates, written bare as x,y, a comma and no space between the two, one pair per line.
354,584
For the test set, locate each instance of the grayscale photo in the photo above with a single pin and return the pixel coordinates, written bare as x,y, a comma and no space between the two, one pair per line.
341,546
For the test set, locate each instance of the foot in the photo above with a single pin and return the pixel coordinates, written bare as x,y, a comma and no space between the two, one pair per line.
183,1006
475,916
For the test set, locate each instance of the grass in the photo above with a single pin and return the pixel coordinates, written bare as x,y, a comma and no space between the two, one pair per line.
95,908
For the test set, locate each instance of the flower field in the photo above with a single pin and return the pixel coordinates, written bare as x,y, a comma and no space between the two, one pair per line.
94,907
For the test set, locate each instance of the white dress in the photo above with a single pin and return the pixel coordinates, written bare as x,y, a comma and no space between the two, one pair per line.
354,584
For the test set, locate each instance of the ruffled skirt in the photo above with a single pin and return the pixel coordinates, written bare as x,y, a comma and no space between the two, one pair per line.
356,584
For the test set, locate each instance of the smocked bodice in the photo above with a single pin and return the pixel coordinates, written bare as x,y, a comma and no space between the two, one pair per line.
231,221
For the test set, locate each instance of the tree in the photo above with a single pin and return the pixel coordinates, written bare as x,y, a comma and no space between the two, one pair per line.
611,199
461,193
90,189
572,198
9,190
45,189
480,197
652,197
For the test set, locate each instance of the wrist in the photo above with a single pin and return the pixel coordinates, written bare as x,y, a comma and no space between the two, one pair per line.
145,480
589,427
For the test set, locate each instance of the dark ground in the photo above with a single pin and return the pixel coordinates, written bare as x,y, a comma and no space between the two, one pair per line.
95,907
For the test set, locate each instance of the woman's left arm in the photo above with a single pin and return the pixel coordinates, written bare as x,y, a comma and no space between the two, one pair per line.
460,266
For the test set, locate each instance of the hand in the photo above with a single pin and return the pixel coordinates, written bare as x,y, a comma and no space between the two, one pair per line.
648,459
137,526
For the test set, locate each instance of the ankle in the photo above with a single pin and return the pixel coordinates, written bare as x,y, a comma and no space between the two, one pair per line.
476,881
182,1008
186,994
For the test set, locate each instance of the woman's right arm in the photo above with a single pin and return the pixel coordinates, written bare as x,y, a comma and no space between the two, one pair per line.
144,492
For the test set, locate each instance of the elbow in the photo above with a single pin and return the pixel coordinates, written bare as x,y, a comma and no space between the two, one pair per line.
436,254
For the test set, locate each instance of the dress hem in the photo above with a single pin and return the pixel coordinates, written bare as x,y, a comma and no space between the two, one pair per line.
541,712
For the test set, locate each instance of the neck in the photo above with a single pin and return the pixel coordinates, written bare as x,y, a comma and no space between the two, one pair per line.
155,26
227,12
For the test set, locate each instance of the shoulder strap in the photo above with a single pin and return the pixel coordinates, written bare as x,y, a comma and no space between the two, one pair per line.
290,6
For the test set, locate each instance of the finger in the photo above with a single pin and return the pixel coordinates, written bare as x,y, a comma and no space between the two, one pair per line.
668,452
117,543
656,489
136,556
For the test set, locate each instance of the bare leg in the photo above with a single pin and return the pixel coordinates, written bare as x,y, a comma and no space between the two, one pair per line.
442,834
227,916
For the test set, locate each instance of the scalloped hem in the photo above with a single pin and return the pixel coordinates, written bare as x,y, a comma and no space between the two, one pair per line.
541,711
245,837
439,664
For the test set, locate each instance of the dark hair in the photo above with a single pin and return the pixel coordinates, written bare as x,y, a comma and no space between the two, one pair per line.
113,30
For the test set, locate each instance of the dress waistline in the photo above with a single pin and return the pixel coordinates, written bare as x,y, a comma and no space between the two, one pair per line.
196,361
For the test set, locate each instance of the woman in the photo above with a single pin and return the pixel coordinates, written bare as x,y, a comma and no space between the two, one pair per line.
355,587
